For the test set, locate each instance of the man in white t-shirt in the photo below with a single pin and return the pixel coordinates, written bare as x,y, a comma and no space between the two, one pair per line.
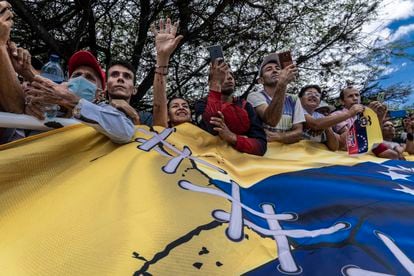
281,113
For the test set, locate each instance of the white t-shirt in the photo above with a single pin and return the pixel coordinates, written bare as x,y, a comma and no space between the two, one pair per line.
309,134
292,114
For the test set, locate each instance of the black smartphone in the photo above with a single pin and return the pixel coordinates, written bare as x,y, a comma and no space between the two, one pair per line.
285,59
216,51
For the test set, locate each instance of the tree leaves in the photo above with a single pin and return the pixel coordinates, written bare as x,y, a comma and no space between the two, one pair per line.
323,35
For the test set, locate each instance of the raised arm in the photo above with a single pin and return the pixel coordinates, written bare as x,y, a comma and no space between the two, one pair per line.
333,119
21,60
11,93
380,109
165,43
271,114
217,75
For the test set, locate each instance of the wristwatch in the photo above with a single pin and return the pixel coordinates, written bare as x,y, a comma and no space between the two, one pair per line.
76,111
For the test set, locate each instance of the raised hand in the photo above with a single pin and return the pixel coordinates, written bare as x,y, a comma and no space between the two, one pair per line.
166,40
379,108
6,22
218,70
21,60
288,74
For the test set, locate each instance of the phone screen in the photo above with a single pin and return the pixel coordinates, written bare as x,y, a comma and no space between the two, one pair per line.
215,52
285,59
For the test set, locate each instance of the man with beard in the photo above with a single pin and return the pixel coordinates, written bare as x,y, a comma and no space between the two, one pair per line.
231,118
281,113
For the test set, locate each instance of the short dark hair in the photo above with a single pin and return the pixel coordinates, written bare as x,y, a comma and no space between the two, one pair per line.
122,63
269,62
306,87
342,93
174,98
270,58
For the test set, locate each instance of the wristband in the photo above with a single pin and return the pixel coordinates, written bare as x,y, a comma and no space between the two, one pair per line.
410,137
164,70
159,73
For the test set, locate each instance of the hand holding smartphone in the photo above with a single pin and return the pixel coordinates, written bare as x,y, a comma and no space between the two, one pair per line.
216,51
285,59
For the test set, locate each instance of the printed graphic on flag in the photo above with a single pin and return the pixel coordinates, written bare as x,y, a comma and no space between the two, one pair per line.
364,133
73,203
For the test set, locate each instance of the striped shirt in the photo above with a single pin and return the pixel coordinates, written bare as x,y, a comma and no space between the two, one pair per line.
292,114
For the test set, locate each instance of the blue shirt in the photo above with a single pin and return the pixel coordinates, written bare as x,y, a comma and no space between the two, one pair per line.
106,119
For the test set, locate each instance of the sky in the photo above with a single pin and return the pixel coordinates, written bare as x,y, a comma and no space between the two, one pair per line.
395,22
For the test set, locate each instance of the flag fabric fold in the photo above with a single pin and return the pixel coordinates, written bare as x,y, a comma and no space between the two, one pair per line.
180,201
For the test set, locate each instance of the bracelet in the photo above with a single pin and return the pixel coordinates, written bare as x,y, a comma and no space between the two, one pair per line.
410,137
159,73
164,70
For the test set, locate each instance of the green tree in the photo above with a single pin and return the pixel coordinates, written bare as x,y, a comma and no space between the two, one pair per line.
323,35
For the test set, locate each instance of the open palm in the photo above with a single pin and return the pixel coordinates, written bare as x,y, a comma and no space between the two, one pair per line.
165,38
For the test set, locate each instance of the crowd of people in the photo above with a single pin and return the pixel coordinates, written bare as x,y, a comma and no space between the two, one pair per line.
102,100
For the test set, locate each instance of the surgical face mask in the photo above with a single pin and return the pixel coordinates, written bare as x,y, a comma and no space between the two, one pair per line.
83,88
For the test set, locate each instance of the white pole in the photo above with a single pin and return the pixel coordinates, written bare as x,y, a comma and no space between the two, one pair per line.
12,120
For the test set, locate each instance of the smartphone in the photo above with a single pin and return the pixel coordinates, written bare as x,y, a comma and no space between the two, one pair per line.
381,97
216,51
285,59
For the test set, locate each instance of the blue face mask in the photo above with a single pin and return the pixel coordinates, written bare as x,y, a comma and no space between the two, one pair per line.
83,88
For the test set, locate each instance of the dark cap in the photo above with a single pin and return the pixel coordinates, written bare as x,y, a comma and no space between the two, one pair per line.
270,58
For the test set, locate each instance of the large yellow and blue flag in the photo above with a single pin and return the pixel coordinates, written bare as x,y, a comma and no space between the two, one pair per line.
182,202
